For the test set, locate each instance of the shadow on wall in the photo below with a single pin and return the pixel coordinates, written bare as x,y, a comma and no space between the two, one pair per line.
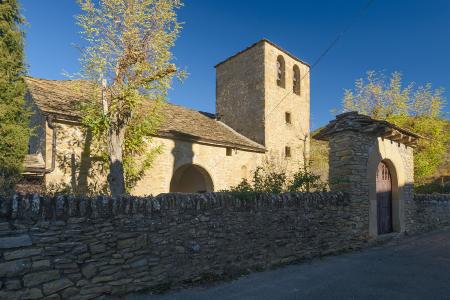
85,170
80,184
187,177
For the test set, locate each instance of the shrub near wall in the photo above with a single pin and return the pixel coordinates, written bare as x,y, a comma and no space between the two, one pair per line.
82,248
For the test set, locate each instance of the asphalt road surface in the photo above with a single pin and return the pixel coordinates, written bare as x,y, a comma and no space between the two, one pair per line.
412,268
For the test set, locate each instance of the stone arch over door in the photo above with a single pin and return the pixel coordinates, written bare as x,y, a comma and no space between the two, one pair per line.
191,178
386,152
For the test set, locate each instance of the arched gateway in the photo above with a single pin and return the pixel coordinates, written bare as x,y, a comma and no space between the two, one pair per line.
191,178
372,162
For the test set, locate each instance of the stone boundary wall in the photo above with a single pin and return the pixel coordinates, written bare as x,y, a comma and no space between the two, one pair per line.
69,247
432,211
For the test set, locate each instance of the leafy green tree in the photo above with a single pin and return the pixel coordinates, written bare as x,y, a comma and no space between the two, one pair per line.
128,60
14,117
419,109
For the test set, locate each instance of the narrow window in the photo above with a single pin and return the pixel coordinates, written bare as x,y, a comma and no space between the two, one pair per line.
280,71
287,152
296,80
287,117
229,151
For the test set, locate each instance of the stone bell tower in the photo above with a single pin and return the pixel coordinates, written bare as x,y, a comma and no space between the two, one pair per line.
262,92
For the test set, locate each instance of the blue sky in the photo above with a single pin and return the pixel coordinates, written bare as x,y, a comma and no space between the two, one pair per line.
412,37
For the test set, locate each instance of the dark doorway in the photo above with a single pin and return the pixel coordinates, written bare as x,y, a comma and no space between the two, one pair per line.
191,178
384,199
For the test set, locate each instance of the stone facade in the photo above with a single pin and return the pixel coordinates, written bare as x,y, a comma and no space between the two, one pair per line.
77,171
224,170
250,129
82,248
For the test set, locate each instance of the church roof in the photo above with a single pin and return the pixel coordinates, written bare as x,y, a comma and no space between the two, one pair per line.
62,98
353,121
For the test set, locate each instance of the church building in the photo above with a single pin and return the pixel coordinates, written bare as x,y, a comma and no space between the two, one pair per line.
262,115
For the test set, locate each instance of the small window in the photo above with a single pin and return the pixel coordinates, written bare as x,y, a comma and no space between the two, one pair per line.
287,152
280,71
296,80
229,151
287,117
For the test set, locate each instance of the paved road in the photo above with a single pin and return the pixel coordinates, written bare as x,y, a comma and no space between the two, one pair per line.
413,268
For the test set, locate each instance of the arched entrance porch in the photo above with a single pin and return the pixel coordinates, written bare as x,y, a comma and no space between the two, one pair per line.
386,180
191,178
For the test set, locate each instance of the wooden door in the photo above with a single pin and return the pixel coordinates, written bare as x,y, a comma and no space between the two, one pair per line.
384,199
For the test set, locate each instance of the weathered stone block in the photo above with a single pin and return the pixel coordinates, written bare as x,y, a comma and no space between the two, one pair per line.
69,292
128,243
11,295
56,286
33,293
139,263
120,282
22,253
100,279
95,291
15,241
40,265
13,284
53,297
14,268
40,277
97,248
89,271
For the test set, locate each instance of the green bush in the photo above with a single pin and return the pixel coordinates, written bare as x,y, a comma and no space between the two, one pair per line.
268,180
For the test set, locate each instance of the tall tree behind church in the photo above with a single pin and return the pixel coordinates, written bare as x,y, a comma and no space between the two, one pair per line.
14,117
128,58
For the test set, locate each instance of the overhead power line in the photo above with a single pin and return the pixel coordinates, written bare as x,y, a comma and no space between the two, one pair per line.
361,12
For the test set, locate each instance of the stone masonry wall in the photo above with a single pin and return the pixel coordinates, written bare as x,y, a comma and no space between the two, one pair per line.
431,211
67,247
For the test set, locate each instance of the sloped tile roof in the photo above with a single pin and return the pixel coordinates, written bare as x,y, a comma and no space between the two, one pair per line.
62,98
353,121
